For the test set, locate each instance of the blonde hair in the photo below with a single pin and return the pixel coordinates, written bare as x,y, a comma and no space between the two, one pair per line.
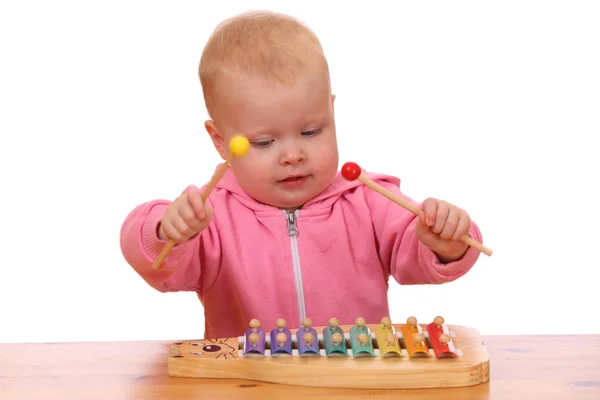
264,44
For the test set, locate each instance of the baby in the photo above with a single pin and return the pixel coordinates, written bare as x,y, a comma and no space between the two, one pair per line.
283,234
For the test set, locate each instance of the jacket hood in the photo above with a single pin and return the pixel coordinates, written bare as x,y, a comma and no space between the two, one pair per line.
324,200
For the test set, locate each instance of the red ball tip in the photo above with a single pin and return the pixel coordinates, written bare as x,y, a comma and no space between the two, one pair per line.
351,171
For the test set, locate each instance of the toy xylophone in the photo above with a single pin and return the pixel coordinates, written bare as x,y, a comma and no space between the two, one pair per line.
362,355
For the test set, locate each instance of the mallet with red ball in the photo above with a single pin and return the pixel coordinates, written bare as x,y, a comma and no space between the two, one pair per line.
352,171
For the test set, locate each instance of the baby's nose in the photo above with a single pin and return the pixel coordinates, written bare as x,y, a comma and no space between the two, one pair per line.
293,156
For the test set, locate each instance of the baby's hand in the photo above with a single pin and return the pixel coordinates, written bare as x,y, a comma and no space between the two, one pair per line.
185,217
440,227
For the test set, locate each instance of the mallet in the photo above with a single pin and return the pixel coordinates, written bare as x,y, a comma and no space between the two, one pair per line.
238,147
352,171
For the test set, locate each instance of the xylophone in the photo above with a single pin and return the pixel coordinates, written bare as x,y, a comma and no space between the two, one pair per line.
383,355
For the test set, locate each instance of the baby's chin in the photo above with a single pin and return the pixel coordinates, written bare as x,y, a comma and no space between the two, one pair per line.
286,198
283,202
287,204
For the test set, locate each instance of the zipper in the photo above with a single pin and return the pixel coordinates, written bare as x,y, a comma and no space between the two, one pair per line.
292,231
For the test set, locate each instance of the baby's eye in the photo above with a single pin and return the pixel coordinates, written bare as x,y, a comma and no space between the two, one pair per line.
311,133
262,143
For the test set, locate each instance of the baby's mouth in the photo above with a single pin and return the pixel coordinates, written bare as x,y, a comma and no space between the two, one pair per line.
293,178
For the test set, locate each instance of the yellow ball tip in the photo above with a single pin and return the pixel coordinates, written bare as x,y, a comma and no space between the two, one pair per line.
239,146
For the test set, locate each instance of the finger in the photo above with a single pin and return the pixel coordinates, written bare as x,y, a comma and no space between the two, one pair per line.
187,214
209,212
440,216
430,210
421,227
171,232
181,228
422,219
195,200
162,235
464,224
451,224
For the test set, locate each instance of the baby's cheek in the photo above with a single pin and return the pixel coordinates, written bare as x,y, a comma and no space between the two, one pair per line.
258,177
263,177
263,170
254,167
326,159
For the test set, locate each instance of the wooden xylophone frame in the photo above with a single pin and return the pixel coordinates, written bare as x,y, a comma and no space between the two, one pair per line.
468,366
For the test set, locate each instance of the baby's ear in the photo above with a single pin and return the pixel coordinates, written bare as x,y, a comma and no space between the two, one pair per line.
216,138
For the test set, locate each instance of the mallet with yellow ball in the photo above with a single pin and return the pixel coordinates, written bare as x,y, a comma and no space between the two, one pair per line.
238,147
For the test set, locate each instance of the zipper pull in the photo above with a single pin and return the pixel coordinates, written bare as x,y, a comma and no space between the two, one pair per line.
291,224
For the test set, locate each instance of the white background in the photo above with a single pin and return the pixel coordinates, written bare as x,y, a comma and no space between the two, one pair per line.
493,106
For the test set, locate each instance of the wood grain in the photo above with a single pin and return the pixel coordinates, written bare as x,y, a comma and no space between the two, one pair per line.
471,368
522,367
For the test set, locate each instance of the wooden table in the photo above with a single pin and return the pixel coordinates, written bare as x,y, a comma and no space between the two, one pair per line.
522,367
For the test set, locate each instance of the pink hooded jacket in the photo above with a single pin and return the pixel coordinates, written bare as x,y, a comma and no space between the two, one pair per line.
332,258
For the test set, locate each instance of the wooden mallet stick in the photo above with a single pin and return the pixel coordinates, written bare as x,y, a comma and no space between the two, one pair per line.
352,171
238,146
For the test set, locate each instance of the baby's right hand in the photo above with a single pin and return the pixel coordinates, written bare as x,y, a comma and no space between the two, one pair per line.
185,217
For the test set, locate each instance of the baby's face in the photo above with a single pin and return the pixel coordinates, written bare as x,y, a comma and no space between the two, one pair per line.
293,152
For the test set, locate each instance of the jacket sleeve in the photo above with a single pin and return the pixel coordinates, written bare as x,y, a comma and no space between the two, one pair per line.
403,255
182,268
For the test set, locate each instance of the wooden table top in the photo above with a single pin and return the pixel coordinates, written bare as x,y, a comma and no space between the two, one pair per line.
522,367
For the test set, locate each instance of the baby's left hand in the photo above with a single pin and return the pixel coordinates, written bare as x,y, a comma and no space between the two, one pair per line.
440,227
